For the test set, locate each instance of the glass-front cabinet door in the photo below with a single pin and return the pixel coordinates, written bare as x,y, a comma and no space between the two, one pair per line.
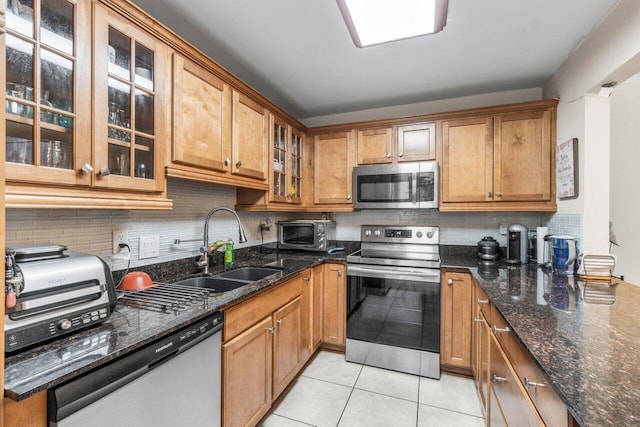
286,172
47,85
129,67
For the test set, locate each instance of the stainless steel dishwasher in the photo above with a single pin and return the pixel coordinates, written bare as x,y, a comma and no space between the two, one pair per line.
174,381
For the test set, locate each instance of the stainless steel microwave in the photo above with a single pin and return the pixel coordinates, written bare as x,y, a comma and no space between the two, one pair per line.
308,235
396,186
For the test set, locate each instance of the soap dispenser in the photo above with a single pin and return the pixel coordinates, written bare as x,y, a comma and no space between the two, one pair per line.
229,256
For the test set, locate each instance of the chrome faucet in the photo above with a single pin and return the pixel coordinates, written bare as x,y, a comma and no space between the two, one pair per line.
242,238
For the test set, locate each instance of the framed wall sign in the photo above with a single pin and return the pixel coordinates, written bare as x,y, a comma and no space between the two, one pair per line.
567,169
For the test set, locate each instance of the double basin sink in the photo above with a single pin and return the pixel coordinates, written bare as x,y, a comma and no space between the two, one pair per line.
230,280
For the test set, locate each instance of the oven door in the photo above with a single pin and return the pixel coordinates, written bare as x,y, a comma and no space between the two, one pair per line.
394,306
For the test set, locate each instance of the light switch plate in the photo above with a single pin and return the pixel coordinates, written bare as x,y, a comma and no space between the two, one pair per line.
149,247
503,229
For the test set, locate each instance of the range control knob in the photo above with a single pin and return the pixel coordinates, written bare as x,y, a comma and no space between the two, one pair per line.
419,234
429,234
64,324
376,233
367,232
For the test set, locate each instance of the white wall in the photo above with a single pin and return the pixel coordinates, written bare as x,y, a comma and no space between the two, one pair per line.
625,176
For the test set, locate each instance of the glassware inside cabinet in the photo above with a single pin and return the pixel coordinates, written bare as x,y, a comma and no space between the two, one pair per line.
119,103
144,157
19,143
56,81
144,112
144,67
19,68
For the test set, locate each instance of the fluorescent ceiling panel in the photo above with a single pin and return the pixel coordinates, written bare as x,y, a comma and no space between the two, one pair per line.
372,22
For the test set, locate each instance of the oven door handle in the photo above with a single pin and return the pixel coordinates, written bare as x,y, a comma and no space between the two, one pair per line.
426,275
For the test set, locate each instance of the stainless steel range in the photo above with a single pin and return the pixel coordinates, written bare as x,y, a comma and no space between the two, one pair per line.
393,299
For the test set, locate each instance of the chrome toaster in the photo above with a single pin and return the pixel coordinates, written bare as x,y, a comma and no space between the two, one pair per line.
51,292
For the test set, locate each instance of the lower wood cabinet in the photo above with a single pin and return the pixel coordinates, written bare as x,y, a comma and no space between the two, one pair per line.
28,412
334,306
455,325
287,331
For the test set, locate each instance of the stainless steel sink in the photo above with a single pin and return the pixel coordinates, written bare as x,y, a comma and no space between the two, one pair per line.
249,274
215,284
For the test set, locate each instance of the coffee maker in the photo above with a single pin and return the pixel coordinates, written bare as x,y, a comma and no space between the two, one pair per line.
518,244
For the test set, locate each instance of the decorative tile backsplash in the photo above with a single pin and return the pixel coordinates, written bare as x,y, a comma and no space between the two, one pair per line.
90,231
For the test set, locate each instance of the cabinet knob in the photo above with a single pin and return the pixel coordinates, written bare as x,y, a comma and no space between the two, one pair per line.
279,321
497,379
532,384
238,164
388,155
483,301
400,154
489,194
348,196
307,279
104,172
271,330
498,194
500,330
339,273
227,161
449,282
86,168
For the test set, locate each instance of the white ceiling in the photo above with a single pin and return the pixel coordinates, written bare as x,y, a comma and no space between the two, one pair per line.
299,54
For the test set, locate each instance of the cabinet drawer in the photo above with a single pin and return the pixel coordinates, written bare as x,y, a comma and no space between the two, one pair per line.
516,407
551,408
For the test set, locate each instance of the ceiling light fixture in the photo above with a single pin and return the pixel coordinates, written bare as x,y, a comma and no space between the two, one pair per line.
372,22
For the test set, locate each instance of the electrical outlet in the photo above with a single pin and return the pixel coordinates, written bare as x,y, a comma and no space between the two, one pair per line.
119,236
503,229
149,247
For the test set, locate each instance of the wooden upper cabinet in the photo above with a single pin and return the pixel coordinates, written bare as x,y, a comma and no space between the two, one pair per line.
334,156
48,87
201,117
249,138
500,162
467,160
522,155
416,142
375,146
286,164
130,111
413,143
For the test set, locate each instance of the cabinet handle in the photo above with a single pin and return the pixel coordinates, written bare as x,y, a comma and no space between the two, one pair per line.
388,155
497,379
339,273
86,168
104,172
532,384
271,330
498,194
499,330
451,280
279,321
307,279
475,319
348,196
238,164
489,194
483,301
227,161
400,154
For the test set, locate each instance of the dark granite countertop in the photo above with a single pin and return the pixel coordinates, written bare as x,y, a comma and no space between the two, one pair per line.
589,351
129,328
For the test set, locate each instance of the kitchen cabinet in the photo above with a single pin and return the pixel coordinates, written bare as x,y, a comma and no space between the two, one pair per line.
289,168
129,105
455,336
334,302
266,341
513,403
500,162
249,138
413,143
28,412
480,339
48,74
334,158
201,118
416,142
317,306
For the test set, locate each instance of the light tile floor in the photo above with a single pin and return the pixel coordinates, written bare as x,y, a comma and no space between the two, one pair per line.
334,393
